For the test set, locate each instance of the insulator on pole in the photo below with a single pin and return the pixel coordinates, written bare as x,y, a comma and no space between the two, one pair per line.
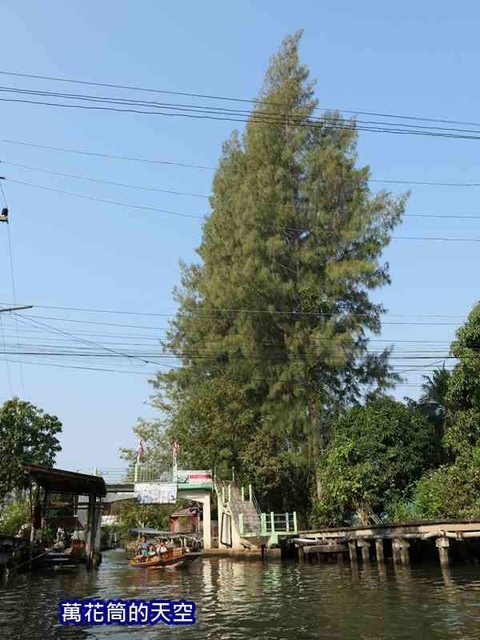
4,215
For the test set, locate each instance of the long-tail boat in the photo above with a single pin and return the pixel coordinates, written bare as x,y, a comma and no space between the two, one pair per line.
173,558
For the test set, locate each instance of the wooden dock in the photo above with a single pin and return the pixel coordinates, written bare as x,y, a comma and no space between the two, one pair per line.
384,541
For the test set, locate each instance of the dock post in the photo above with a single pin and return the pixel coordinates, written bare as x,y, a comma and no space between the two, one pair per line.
287,524
250,492
302,556
400,551
90,537
405,553
242,491
352,550
395,551
365,547
272,521
443,545
379,552
295,529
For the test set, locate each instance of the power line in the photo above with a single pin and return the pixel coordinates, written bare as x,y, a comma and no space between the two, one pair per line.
219,114
125,205
206,197
107,156
57,330
60,366
107,182
12,278
203,167
7,364
107,201
254,101
212,312
131,372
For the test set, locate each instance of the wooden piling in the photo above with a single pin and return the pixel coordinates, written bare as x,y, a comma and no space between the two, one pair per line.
365,548
405,552
379,551
396,551
352,550
301,554
443,546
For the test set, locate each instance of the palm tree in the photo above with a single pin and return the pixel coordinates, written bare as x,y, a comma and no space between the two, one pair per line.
433,402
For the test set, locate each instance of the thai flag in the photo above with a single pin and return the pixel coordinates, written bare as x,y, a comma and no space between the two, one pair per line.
140,451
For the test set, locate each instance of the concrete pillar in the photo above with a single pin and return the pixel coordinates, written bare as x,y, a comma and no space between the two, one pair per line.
365,548
207,523
352,550
443,545
379,552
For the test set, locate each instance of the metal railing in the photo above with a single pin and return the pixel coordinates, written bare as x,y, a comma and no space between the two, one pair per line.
114,475
152,472
270,523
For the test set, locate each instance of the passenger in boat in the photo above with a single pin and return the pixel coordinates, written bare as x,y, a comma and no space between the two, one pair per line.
161,548
143,547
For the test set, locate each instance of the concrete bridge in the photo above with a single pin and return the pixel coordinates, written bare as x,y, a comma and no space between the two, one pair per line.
241,523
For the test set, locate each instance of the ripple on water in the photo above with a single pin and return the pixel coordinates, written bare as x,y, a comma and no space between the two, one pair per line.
249,600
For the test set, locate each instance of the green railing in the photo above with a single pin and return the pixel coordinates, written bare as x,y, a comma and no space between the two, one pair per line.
269,524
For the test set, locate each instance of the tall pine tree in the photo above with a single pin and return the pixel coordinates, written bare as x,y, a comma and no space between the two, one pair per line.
273,322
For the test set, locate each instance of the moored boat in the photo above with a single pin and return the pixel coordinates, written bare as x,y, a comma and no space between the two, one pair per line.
173,558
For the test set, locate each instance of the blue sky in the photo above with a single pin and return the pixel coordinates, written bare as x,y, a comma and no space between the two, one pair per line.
69,252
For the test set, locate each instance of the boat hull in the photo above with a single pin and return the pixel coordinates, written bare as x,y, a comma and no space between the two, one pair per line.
173,561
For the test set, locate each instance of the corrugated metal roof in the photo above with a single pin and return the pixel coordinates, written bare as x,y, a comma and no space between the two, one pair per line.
67,481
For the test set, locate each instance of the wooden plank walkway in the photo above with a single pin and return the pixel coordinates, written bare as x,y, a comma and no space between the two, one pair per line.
337,540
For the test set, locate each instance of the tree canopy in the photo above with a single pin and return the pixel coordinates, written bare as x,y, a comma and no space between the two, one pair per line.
27,435
273,323
378,451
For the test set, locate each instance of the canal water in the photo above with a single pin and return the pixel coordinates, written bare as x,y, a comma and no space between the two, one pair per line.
240,600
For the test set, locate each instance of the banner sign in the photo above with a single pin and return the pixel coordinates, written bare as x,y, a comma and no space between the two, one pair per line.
156,492
194,477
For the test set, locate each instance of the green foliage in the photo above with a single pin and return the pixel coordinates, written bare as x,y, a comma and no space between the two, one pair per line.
377,451
433,401
451,491
272,325
402,508
13,515
27,435
132,515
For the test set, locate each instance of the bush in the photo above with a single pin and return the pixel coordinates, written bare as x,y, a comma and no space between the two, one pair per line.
452,491
13,515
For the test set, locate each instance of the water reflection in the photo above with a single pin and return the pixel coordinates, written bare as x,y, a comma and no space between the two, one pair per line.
249,600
